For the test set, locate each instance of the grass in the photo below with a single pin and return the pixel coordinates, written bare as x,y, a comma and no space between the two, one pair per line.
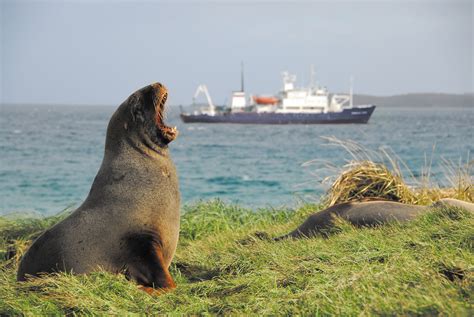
226,262
223,267
366,179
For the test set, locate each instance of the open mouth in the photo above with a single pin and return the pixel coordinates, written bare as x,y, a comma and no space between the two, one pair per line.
161,95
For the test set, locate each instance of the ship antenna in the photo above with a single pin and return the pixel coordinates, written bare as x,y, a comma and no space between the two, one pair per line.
242,76
312,76
351,92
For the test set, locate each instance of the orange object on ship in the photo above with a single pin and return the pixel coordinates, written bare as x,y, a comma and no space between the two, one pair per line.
262,100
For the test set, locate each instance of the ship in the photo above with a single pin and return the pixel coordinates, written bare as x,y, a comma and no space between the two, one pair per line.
292,105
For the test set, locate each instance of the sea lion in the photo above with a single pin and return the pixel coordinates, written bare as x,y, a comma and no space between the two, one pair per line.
129,222
366,214
451,202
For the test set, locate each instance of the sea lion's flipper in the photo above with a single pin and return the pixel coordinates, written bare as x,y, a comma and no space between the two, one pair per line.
147,266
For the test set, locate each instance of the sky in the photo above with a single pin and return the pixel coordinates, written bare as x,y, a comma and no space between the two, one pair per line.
99,52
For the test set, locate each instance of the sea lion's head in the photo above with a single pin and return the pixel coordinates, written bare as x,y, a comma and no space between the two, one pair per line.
141,117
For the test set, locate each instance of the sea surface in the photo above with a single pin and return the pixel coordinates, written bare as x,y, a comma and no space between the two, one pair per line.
50,154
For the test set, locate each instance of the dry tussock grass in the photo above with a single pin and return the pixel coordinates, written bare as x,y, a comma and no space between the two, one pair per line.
383,175
368,180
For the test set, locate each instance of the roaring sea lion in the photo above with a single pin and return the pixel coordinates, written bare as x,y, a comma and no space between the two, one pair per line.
366,214
130,220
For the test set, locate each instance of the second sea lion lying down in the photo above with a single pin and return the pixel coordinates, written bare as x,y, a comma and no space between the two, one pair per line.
366,214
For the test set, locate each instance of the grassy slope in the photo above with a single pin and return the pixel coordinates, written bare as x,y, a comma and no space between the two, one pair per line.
423,267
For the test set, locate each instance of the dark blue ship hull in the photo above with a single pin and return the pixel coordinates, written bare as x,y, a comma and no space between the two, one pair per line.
360,114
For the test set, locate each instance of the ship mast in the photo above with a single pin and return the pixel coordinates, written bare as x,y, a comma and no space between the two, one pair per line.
242,76
351,91
312,73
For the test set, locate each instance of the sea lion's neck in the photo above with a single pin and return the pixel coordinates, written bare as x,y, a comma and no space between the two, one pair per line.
133,143
126,166
124,137
133,153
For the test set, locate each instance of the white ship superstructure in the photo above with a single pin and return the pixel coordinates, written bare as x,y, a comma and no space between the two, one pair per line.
314,99
238,101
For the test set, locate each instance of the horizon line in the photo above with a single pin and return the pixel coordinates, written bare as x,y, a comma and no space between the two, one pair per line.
19,103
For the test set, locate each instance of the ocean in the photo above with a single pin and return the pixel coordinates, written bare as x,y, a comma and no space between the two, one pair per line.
50,154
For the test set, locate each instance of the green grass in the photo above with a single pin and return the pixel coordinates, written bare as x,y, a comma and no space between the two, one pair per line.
223,267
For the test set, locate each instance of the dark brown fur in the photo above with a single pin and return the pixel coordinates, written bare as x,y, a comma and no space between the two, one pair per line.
130,220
